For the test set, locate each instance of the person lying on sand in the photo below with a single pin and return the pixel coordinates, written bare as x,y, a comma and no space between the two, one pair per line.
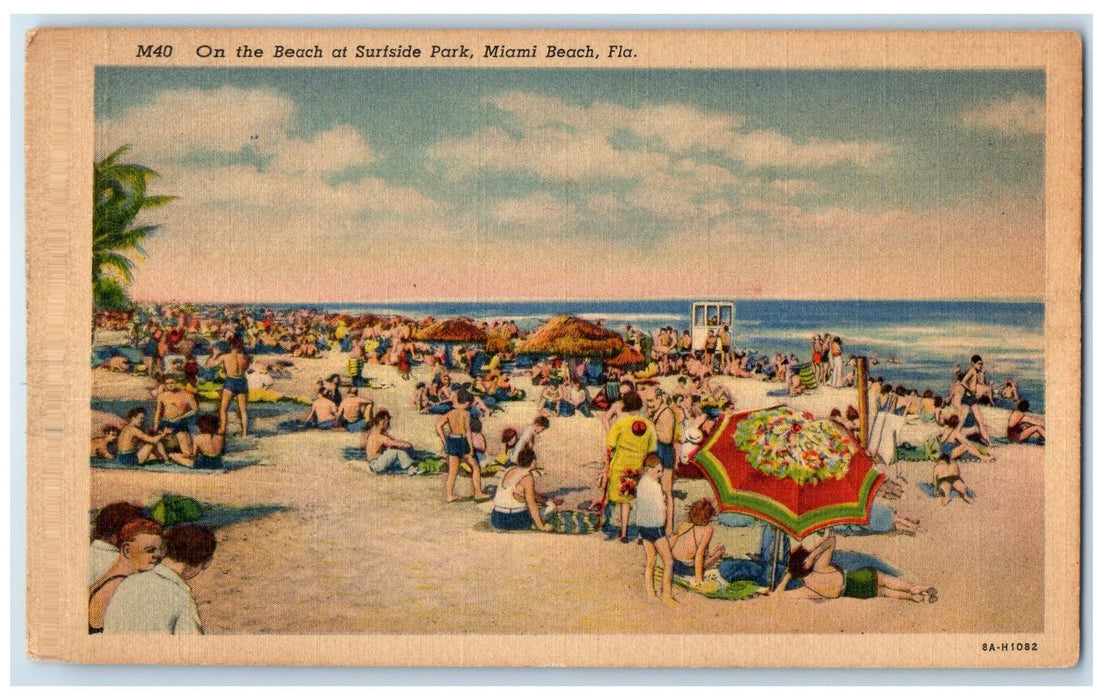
824,580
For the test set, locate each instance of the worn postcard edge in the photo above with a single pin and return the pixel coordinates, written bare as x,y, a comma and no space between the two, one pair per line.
60,67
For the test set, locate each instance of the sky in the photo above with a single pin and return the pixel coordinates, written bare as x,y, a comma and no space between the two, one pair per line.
391,185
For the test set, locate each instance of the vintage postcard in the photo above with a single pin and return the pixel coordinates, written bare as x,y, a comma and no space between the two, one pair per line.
554,348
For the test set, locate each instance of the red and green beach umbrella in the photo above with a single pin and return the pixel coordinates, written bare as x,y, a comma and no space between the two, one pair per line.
794,472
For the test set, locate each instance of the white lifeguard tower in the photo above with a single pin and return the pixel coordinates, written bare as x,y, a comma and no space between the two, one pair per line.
710,316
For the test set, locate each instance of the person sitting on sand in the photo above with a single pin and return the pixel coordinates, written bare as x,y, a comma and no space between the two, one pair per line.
160,600
323,412
1023,425
175,408
689,544
947,478
135,445
517,503
651,518
104,548
822,579
386,454
354,411
550,398
1010,390
101,446
456,441
206,448
953,443
528,436
140,549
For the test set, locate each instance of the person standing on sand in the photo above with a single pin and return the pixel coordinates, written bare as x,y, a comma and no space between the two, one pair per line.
666,424
651,511
838,374
629,441
457,446
234,364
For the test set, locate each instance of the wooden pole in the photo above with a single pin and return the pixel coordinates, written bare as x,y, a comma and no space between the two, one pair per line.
861,381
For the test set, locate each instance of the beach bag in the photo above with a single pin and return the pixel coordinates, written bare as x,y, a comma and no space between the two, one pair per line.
173,510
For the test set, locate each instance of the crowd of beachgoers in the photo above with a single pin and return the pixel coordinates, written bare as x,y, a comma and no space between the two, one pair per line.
657,401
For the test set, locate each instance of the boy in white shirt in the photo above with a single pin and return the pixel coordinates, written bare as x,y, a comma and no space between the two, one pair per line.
651,520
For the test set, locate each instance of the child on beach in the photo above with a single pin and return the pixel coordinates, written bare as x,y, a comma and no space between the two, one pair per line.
651,519
101,446
947,478
457,446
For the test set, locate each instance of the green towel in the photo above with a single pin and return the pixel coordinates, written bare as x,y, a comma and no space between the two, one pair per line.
736,590
807,374
573,522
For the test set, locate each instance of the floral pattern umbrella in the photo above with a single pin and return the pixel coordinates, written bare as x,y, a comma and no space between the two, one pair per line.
789,469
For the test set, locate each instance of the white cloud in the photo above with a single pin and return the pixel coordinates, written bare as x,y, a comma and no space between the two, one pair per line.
1022,114
540,209
771,148
327,152
180,122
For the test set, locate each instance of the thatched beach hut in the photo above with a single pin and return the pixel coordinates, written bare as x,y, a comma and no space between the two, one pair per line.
453,330
627,358
572,337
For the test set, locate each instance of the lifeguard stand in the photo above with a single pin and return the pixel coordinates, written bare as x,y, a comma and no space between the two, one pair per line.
710,315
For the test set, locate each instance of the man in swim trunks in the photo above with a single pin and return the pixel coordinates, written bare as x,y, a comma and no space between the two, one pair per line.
176,406
457,446
135,445
354,410
666,424
976,380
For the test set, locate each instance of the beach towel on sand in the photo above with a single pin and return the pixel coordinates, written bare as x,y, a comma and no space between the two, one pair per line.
807,374
929,489
712,586
228,465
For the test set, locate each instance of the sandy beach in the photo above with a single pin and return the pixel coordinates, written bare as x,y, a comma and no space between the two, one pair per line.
357,552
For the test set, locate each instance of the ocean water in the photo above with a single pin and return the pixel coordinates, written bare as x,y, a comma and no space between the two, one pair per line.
917,343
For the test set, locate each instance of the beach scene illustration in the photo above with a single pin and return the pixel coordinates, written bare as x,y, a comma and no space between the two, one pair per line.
566,351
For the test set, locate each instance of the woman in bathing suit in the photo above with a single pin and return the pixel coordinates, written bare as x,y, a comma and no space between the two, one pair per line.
690,543
233,364
140,549
207,446
517,502
822,579
1021,426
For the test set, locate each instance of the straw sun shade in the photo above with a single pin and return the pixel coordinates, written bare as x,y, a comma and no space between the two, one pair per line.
628,357
453,330
572,337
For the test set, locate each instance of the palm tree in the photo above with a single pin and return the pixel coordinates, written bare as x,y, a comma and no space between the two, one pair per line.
118,196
